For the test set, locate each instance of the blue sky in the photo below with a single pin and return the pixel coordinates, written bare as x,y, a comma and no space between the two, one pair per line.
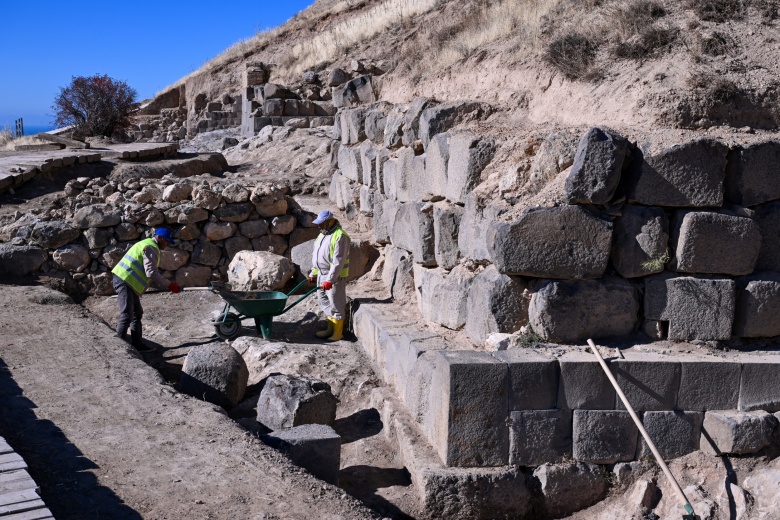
148,44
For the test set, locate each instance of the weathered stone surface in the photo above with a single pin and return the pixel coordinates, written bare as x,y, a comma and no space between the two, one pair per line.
206,253
397,272
446,226
470,430
186,213
187,232
336,77
215,373
597,167
533,379
97,215
151,194
413,231
641,241
758,306
441,118
437,156
604,437
98,237
172,258
411,128
73,257
314,447
768,217
354,92
649,381
219,230
259,271
469,154
738,433
272,243
570,487
350,163
288,401
205,198
301,235
112,254
583,384
760,385
478,216
441,296
565,242
764,485
674,433
708,385
554,156
752,176
696,308
53,234
269,201
698,237
193,276
237,212
235,192
368,165
394,127
568,311
177,192
126,231
375,124
353,125
235,244
537,437
495,303
366,201
688,174
283,224
342,192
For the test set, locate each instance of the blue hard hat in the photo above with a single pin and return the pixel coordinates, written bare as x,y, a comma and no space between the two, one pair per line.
323,216
166,234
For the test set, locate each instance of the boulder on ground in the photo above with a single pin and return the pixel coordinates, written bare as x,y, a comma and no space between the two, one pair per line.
598,164
259,271
73,257
288,401
215,373
53,234
314,447
567,488
20,260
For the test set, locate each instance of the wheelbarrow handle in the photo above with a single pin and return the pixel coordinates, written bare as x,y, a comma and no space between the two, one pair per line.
297,287
299,300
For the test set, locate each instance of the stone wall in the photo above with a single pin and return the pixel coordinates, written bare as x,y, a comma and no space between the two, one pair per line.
673,240
211,218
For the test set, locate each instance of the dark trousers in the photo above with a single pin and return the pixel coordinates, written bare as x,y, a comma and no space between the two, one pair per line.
130,312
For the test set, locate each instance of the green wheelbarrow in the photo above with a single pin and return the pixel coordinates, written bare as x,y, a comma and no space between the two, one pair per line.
260,305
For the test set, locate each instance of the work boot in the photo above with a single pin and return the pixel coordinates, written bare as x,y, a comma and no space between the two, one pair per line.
338,330
143,346
327,332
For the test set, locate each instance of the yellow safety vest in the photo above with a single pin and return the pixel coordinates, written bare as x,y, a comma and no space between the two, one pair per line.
333,239
131,267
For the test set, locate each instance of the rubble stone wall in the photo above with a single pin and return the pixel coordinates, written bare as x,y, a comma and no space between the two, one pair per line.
212,219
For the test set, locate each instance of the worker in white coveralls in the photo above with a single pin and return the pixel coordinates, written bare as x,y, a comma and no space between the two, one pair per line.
132,276
330,268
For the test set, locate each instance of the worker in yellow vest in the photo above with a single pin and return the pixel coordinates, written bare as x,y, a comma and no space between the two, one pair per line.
132,275
330,268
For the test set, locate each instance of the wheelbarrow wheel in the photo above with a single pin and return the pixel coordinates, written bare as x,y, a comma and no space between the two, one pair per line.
229,328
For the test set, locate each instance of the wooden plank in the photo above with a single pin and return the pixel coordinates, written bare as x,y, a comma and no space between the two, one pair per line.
9,457
8,466
22,507
4,447
10,476
17,485
38,514
22,495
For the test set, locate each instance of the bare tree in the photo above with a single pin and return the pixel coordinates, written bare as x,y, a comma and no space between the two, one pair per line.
95,105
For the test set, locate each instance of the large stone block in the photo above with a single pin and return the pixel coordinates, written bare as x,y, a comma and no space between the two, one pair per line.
565,242
649,381
368,165
350,163
478,216
215,373
603,437
570,487
760,384
353,122
687,174
413,231
768,217
397,273
758,306
394,124
533,379
674,433
384,216
343,192
469,154
708,384
496,303
56,233
286,401
597,167
366,201
696,308
583,384
641,241
376,119
354,92
568,311
442,296
537,437
698,239
411,128
314,447
446,226
752,176
737,433
470,415
441,118
437,155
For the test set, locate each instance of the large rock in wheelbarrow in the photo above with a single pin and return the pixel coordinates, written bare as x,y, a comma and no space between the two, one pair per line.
288,401
259,271
215,373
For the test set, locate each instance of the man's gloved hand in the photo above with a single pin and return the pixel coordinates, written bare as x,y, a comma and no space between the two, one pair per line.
174,288
327,286
311,279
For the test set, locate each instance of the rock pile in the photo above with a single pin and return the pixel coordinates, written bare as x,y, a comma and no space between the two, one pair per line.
213,219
